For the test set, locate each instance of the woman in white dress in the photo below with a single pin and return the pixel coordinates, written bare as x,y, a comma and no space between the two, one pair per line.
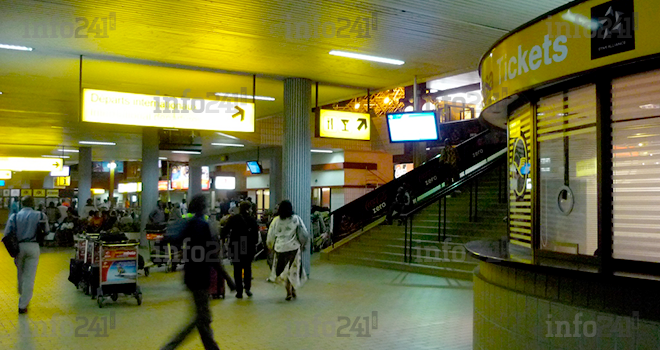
288,235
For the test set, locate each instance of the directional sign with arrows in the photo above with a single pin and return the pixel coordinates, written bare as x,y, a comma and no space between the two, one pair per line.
220,114
30,164
344,125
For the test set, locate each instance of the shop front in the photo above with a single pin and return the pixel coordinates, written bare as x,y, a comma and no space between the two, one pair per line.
578,92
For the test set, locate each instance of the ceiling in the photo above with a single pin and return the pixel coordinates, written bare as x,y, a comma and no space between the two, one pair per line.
170,46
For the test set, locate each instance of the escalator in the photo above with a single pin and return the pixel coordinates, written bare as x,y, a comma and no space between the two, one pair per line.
441,218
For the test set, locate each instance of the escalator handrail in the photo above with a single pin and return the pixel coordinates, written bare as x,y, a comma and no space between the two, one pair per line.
454,186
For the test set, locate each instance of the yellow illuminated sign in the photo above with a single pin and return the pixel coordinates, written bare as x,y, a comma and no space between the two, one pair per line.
53,193
111,107
98,191
26,192
344,125
5,174
62,181
131,187
570,42
30,164
40,193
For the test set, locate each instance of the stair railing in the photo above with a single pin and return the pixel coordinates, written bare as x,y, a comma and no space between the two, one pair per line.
470,182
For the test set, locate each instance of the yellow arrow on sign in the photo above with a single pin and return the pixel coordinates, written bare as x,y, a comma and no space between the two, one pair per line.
31,164
240,112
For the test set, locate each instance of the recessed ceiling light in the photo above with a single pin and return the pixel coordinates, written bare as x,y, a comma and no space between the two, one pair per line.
68,150
227,136
162,158
366,57
321,151
227,144
0,92
187,152
262,98
102,143
15,47
53,156
650,106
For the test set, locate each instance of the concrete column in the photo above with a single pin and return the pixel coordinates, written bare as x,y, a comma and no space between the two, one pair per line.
150,175
275,182
194,180
296,156
84,177
419,148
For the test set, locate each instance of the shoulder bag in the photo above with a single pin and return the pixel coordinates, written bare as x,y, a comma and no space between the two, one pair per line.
11,241
301,233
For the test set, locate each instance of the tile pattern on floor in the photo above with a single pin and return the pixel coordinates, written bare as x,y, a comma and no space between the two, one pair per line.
413,311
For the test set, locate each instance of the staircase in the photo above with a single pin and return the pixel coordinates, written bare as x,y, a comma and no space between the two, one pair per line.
438,235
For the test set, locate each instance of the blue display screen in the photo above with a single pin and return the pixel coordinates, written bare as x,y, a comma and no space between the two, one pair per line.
415,126
2,183
254,167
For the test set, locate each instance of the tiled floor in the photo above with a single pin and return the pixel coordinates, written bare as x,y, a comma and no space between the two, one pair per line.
413,312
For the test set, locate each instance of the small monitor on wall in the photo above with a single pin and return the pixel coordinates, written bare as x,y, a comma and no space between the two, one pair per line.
254,167
412,126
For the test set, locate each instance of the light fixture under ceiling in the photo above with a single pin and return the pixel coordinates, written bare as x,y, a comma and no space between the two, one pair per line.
68,150
227,144
162,158
321,151
15,47
54,156
366,57
101,143
227,136
247,97
187,152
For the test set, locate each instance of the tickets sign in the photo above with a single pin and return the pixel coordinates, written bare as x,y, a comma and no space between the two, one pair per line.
344,125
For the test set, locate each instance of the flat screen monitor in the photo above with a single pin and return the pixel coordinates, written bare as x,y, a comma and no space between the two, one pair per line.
254,167
412,126
206,179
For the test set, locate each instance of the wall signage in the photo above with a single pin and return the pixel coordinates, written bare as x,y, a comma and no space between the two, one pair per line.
111,107
344,125
589,35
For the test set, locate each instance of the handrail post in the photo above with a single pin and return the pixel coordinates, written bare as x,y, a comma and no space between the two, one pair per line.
405,242
476,199
444,218
470,203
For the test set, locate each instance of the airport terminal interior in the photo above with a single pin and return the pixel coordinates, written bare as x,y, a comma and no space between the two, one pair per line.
377,174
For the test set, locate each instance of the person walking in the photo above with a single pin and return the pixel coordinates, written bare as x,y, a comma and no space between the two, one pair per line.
242,230
287,235
84,214
197,272
25,225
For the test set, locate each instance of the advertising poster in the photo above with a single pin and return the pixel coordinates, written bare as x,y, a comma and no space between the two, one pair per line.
180,177
119,272
206,179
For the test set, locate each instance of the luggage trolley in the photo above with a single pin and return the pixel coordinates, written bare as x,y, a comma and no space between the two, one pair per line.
89,263
163,253
118,264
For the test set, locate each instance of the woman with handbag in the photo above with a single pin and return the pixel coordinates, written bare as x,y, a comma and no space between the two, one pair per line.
288,235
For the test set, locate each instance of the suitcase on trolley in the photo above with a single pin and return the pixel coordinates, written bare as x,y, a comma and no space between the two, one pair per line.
217,288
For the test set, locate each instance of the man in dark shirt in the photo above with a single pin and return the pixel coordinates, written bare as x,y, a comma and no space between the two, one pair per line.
242,230
197,272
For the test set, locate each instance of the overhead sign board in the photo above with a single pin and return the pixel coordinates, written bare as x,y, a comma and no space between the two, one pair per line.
40,193
53,193
30,164
111,107
344,125
62,181
131,187
589,35
26,192
64,172
5,174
